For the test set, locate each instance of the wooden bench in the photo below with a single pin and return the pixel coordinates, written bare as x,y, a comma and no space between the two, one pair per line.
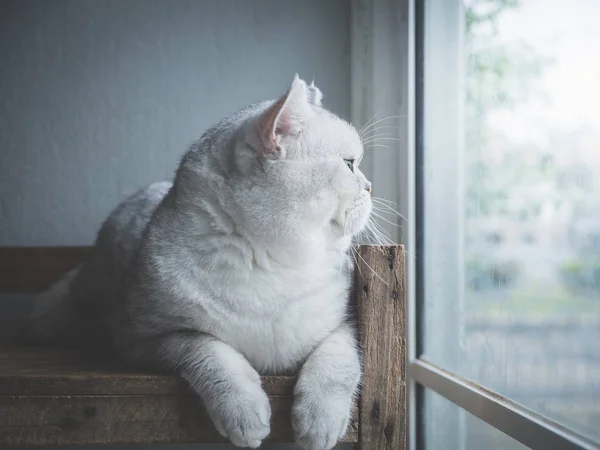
54,396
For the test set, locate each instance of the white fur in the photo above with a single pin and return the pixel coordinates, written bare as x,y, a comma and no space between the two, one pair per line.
243,268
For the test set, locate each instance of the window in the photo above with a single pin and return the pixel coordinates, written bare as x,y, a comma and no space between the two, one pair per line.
507,321
472,434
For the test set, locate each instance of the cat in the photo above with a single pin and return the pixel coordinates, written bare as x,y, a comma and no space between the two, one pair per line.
239,267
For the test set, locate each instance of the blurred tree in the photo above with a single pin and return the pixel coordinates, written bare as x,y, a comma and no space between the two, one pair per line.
499,75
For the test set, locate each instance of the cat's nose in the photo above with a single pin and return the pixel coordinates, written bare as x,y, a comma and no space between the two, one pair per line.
368,186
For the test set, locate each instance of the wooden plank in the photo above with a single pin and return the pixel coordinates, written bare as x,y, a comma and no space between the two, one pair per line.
30,371
33,269
56,396
381,303
62,420
38,420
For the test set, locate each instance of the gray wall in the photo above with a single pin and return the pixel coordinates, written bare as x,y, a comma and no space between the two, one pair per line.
99,98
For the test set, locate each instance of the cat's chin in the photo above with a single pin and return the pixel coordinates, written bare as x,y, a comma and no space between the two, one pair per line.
358,217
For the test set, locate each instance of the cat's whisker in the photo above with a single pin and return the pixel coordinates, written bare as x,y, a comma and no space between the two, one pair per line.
371,142
384,239
368,266
379,227
354,254
376,134
380,127
377,130
384,219
382,138
381,120
372,146
379,235
389,210
385,208
367,125
373,117
349,258
367,235
383,200
375,238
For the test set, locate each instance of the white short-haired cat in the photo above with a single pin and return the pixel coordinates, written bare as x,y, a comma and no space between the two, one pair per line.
238,267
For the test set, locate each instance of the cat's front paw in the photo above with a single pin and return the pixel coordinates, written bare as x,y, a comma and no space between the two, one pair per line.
319,421
242,415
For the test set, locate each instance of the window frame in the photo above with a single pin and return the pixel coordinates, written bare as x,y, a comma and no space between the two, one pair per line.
378,49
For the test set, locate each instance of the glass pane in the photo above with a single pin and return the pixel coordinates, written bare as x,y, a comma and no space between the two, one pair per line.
512,200
448,427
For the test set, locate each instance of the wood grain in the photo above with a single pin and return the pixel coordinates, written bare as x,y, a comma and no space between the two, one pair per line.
53,396
380,292
35,420
32,269
46,371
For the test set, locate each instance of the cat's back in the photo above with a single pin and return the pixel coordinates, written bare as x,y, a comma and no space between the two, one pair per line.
83,301
116,245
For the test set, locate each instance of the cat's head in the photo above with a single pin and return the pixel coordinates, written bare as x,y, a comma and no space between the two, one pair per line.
291,170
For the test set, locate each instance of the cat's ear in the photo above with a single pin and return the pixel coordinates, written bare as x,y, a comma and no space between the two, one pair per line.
283,118
314,94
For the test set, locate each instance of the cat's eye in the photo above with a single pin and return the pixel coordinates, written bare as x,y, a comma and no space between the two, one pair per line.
350,164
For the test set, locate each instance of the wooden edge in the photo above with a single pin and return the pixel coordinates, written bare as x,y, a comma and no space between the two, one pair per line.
112,385
381,305
51,420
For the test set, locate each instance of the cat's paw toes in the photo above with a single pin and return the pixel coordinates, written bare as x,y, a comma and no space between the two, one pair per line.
319,423
244,418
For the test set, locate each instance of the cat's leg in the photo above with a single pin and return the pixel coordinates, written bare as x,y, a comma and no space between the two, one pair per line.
325,390
229,387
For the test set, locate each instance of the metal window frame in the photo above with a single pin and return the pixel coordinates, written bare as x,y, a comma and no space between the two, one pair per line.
524,425
521,424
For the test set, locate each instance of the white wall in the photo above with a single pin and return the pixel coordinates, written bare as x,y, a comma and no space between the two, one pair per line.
98,98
